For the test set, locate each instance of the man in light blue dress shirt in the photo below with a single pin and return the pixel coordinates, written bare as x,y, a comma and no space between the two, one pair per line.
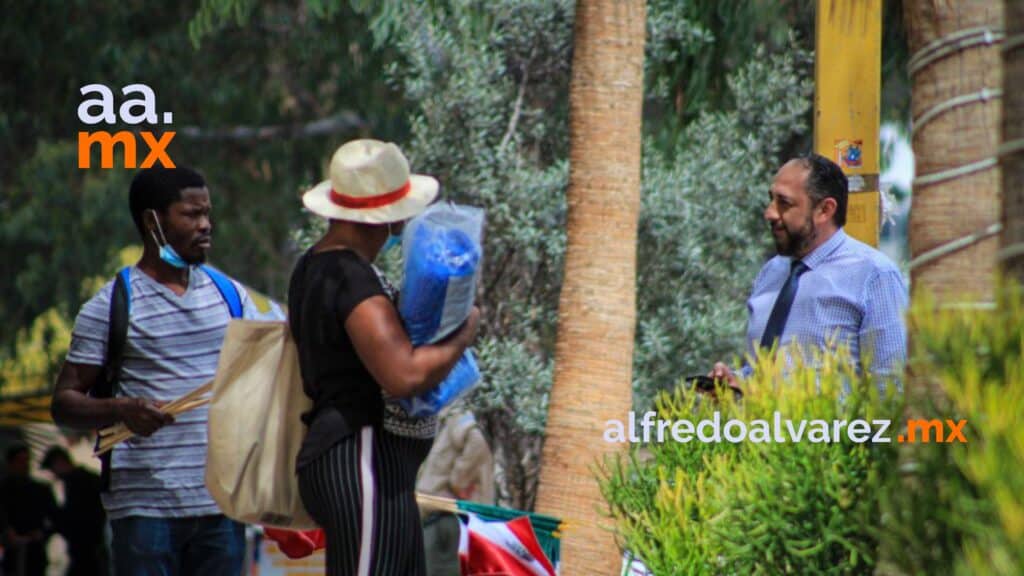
823,289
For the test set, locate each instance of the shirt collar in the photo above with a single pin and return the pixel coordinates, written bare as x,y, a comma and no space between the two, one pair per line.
821,253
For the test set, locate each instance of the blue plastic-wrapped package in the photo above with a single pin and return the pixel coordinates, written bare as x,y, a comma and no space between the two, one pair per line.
463,377
439,282
442,253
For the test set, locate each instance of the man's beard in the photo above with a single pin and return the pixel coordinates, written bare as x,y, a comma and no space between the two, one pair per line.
196,255
796,242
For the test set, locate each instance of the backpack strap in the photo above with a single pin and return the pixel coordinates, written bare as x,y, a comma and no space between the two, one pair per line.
117,335
227,289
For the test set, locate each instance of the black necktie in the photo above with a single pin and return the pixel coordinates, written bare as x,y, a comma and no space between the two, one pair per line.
780,312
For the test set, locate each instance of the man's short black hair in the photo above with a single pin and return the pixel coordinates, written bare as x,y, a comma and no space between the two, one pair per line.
825,179
157,188
15,451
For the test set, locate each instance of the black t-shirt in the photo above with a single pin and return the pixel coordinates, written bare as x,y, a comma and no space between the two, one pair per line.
325,287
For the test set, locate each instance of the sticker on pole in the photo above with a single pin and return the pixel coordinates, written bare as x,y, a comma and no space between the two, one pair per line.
849,153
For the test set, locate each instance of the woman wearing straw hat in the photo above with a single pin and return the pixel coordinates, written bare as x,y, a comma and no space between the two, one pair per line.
358,463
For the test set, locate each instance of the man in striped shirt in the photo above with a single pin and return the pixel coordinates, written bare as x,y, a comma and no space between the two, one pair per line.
824,289
164,520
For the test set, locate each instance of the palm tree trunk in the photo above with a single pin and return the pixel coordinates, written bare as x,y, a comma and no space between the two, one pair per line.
594,346
1012,157
955,54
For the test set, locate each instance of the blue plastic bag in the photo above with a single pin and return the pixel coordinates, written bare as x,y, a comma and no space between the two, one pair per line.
463,377
442,253
440,273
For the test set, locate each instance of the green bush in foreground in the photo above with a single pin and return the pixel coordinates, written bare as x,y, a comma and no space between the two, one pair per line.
845,508
959,508
761,507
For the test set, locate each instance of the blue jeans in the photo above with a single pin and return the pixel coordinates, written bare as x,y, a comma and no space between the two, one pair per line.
200,546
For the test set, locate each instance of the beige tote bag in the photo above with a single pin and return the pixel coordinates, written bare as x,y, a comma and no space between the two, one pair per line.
254,430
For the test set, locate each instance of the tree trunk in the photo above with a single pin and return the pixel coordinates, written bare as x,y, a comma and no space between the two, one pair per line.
1012,157
953,56
594,346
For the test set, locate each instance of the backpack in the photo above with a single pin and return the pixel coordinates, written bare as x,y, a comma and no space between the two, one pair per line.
117,336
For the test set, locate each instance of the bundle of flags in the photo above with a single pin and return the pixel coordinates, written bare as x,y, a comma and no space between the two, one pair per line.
493,541
496,547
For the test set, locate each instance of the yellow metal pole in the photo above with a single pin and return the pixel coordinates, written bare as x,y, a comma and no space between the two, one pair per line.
848,77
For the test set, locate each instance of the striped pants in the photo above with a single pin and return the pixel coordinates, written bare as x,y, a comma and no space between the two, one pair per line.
362,492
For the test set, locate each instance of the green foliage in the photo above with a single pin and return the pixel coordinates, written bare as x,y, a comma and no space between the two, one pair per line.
213,13
489,118
959,508
487,107
38,351
694,46
759,507
702,236
895,97
59,227
845,508
384,16
475,92
284,71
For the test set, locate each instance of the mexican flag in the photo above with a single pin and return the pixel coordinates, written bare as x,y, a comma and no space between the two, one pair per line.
505,548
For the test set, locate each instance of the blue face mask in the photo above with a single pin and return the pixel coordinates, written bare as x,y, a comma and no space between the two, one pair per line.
167,253
393,241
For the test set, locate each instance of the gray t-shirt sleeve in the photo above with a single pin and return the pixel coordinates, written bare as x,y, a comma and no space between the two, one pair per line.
89,336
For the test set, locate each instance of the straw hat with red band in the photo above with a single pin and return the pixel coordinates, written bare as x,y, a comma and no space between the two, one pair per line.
370,183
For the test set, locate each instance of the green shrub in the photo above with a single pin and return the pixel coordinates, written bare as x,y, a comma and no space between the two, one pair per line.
959,508
847,508
760,508
487,89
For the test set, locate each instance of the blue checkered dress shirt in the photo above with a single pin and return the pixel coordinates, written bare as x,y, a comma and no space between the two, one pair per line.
852,295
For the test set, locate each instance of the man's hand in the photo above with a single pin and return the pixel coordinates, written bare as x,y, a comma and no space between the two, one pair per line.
723,373
143,417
